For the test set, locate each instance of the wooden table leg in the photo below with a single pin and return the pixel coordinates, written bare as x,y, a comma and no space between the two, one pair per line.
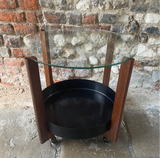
35,86
109,58
46,57
121,93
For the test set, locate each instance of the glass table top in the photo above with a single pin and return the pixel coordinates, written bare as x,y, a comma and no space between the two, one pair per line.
83,48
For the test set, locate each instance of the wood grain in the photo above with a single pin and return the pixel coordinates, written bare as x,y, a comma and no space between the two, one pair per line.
46,57
35,86
121,93
109,58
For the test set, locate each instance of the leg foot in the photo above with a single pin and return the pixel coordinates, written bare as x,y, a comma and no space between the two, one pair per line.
105,140
55,145
54,140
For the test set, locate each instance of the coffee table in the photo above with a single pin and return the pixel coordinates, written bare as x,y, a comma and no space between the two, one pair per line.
80,108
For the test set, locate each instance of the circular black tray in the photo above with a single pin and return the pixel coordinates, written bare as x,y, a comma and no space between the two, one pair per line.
78,109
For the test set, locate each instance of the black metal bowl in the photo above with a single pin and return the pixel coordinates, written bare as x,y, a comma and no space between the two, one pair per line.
78,108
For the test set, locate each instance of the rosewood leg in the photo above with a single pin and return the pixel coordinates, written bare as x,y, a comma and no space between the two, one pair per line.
120,97
35,86
109,58
46,57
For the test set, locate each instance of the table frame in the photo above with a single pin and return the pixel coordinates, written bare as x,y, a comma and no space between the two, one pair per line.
36,90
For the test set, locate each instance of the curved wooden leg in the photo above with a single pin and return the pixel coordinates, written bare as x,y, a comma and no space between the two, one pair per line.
35,86
121,93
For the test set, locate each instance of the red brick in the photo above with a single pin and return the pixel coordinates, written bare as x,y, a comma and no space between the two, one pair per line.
105,27
2,70
25,28
136,63
39,16
13,70
29,4
56,18
10,81
6,4
13,62
89,19
52,27
91,27
16,52
31,16
6,29
12,16
68,27
157,87
35,17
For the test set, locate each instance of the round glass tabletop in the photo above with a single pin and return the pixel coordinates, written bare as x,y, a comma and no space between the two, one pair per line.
83,48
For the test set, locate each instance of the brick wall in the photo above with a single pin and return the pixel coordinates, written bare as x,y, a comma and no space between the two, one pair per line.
20,21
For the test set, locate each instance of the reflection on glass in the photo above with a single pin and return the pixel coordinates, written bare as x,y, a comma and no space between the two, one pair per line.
81,48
